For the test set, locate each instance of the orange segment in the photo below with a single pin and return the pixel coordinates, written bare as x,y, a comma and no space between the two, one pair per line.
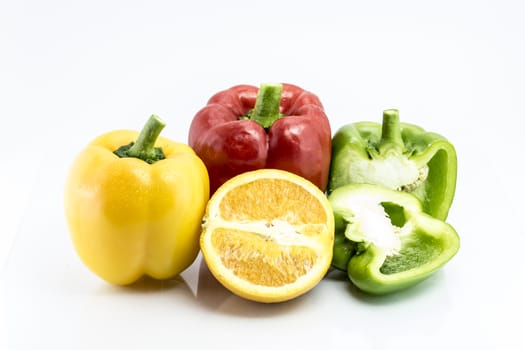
255,259
268,199
268,235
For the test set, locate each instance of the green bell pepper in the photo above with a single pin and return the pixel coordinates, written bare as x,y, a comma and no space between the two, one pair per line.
384,240
398,156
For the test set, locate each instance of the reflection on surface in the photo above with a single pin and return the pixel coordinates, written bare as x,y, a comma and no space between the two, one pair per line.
197,286
423,289
146,285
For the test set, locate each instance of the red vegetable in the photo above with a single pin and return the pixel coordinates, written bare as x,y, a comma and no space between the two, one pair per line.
277,126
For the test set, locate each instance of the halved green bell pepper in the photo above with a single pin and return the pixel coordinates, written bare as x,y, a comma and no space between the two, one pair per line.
398,156
385,241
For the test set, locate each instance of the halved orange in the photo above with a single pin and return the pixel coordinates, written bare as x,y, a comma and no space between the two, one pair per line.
268,235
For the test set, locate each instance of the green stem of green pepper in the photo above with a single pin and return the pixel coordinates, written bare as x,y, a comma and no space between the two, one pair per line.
144,148
267,105
391,132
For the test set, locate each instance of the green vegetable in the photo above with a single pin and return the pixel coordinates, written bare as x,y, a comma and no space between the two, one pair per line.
384,240
398,156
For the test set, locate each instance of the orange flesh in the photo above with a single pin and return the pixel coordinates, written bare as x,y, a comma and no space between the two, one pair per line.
271,199
258,260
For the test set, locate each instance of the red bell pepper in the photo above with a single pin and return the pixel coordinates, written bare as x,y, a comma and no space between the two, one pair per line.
277,126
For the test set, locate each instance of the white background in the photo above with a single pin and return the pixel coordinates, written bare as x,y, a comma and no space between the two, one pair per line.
71,70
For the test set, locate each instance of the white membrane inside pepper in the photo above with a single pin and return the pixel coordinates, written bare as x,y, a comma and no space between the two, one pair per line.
370,223
392,171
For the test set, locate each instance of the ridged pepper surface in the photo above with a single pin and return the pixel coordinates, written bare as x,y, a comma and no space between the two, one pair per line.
277,126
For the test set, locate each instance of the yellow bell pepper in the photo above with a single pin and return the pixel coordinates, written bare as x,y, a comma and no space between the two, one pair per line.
136,209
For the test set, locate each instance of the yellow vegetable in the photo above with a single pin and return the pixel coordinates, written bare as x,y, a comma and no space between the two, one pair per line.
136,209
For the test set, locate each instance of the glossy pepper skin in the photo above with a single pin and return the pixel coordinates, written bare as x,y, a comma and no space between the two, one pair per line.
136,213
277,126
385,241
398,156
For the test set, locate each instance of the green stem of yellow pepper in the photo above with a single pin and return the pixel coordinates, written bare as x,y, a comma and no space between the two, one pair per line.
144,148
391,132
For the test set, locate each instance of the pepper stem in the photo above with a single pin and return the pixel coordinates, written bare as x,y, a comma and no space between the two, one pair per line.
391,131
144,148
267,105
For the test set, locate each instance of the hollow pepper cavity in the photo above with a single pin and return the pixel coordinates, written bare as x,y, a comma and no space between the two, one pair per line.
134,208
277,126
383,239
398,156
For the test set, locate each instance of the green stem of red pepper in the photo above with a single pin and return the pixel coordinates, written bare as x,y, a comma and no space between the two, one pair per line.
391,132
267,105
144,148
